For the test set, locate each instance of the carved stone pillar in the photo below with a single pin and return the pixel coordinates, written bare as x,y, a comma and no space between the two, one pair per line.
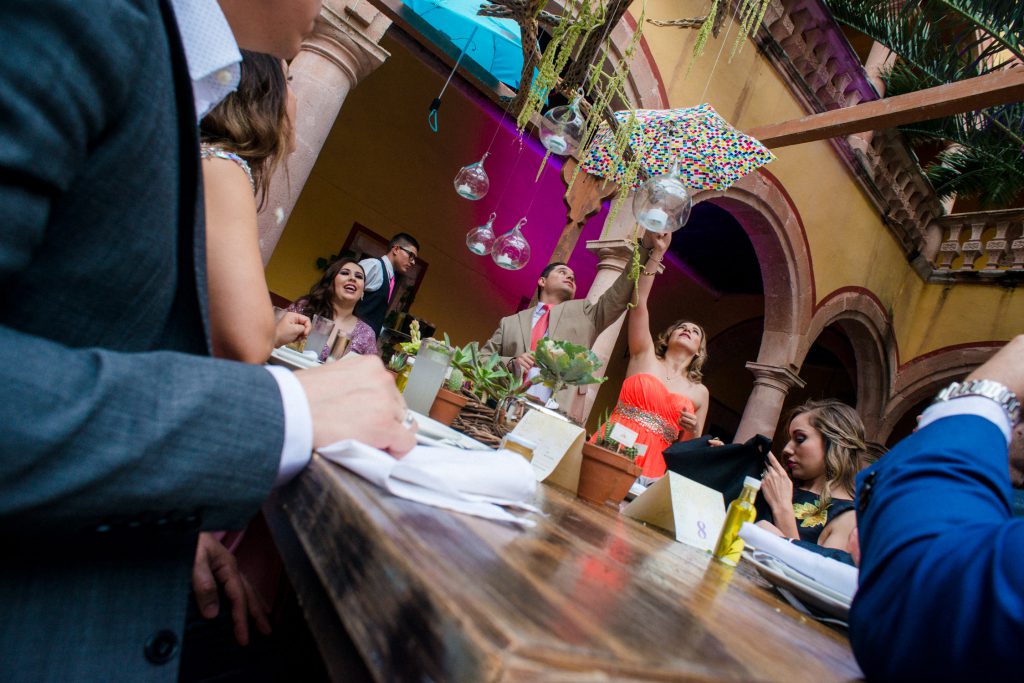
615,256
761,414
879,59
341,52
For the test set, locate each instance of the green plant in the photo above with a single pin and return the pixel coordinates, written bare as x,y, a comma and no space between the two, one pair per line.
412,347
455,380
397,361
562,364
605,440
488,375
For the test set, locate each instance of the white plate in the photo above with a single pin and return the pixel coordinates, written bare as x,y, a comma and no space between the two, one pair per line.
290,358
433,433
806,589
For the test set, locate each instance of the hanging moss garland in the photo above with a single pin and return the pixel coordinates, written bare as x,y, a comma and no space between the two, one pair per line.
751,14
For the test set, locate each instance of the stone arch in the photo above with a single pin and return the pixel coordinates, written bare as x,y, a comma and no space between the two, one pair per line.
925,375
761,206
862,318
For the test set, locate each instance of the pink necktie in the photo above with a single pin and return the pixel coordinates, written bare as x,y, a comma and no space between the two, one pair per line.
391,288
540,328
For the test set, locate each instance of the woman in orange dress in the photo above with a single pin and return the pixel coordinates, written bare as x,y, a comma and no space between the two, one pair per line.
662,398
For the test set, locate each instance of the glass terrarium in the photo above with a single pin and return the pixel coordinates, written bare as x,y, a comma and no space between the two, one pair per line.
471,181
662,203
511,251
561,129
480,239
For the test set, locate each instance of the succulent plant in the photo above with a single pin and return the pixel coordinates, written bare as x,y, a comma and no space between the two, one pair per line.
455,380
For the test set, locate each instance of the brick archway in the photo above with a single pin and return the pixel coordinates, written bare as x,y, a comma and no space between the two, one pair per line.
862,318
775,229
924,376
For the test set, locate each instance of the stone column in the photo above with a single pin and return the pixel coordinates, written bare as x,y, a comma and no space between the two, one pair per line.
761,414
879,59
615,255
341,52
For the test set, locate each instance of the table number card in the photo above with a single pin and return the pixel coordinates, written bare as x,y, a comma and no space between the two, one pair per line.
559,452
693,512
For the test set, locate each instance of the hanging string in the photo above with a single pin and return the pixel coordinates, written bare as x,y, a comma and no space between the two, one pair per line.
724,38
436,104
511,175
504,113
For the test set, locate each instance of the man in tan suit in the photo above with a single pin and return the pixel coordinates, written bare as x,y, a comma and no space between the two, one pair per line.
562,317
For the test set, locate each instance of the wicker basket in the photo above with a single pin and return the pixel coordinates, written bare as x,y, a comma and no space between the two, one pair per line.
477,422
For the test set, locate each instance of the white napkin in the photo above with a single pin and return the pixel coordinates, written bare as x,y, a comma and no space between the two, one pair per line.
471,482
832,574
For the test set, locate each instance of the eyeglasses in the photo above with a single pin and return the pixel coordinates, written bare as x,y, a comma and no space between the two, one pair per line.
412,254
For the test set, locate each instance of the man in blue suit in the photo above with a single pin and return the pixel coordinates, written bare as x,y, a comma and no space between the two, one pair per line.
120,439
941,592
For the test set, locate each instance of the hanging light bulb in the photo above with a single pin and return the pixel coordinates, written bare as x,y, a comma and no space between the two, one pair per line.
471,181
662,203
561,128
511,251
481,238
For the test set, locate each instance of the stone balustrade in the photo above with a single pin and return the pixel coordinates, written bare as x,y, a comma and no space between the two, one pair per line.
985,245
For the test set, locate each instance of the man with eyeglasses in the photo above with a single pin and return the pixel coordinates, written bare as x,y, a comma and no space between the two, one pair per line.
381,273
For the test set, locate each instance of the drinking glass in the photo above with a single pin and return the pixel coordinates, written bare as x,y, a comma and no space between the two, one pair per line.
427,375
319,332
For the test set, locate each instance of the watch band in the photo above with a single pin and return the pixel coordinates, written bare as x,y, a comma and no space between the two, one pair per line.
987,388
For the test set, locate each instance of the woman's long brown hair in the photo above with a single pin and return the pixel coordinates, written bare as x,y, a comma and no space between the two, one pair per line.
252,122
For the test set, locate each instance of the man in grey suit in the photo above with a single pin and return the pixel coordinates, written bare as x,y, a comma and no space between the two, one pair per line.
119,440
562,317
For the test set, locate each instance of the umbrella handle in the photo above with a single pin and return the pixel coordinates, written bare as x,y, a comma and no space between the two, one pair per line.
432,116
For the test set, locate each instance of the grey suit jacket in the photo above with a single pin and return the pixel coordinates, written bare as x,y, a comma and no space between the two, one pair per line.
578,321
118,439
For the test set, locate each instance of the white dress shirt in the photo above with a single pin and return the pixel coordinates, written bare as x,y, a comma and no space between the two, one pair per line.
375,273
211,51
213,65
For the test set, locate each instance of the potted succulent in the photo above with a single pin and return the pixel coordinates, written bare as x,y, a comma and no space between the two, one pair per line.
450,401
608,469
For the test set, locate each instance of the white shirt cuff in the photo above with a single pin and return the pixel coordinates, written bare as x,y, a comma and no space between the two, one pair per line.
969,405
298,425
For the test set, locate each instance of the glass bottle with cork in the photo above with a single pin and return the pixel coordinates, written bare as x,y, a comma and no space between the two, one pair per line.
730,545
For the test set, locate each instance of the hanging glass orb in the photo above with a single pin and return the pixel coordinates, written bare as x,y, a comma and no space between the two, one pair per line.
561,129
471,181
662,203
481,238
511,251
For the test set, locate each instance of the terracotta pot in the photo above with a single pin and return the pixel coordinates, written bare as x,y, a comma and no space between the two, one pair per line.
446,406
605,476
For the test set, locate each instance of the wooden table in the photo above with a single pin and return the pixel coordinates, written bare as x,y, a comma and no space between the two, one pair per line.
429,595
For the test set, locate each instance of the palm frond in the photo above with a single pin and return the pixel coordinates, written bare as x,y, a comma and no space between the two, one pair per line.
995,176
944,40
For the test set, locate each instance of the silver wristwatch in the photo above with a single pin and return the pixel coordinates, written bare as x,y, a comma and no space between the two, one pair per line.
987,388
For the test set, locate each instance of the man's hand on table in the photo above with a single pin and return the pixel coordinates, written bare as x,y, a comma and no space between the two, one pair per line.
357,399
215,565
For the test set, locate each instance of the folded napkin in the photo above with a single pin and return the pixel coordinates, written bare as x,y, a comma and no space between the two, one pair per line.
476,483
832,574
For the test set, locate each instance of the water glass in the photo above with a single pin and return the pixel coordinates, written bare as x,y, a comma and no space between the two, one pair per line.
319,332
427,374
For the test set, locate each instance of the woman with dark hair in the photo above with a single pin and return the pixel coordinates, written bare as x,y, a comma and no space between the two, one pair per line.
662,398
335,296
243,140
811,491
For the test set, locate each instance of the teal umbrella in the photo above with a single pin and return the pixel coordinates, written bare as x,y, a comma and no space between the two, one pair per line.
493,44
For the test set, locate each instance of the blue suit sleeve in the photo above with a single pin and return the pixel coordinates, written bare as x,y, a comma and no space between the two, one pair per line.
940,593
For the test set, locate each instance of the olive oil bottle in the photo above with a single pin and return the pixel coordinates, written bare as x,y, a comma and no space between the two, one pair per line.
730,545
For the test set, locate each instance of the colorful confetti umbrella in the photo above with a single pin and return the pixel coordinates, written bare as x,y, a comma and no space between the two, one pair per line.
712,155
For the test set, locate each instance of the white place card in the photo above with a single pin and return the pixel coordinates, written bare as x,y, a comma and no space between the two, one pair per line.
559,451
623,435
694,513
